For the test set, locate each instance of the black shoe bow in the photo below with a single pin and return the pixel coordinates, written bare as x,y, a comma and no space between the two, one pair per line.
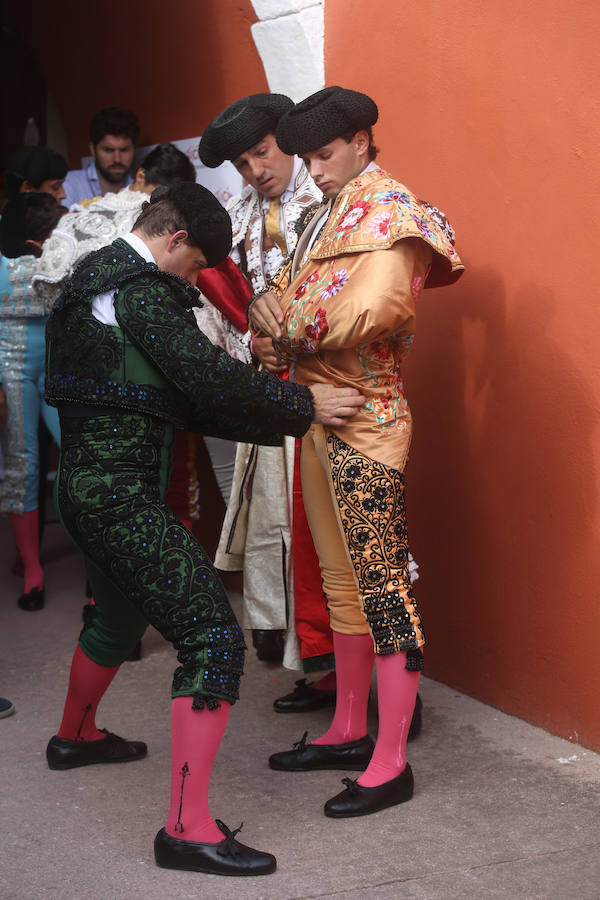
228,846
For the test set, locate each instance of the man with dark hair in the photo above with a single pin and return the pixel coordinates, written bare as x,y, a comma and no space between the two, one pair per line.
343,310
265,528
113,135
126,367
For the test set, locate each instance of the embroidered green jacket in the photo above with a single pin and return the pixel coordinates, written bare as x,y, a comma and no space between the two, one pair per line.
157,362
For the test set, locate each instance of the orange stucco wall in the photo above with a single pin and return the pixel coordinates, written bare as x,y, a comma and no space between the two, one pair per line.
492,112
175,64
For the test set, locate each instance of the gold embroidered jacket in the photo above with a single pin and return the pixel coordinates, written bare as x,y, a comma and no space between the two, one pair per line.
349,302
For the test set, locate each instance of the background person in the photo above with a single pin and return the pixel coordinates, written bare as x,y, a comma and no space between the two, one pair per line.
114,132
27,220
37,170
265,528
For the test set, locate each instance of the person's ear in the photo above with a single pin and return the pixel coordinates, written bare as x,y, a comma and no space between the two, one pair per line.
361,141
176,240
92,149
140,179
27,187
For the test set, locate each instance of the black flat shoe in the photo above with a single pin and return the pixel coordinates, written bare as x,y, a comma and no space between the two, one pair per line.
63,754
228,857
352,757
32,600
416,723
268,645
304,698
357,800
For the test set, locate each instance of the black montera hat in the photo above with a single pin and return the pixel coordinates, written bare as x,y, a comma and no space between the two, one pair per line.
208,223
241,126
34,164
322,118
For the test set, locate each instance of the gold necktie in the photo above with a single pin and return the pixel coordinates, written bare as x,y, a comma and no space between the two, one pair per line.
272,225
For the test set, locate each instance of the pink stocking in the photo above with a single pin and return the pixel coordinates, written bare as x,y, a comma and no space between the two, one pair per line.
354,665
27,539
397,692
87,685
195,738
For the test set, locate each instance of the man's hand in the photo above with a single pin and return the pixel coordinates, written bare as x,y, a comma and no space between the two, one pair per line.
264,350
2,408
333,406
265,315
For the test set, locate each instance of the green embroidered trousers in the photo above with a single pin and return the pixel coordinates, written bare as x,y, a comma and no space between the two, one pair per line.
144,566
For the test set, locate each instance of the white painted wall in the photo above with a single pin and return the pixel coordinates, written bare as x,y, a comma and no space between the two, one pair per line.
289,39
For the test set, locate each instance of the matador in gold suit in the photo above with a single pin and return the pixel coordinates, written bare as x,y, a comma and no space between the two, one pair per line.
345,315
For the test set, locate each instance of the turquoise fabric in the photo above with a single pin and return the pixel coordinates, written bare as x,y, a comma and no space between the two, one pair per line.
22,365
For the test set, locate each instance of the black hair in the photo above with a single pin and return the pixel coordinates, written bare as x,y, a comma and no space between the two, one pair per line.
28,216
349,134
35,165
167,165
114,120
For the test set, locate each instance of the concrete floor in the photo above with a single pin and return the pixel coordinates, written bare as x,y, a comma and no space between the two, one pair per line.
501,809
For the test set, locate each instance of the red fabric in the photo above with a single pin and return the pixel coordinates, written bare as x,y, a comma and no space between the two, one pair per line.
27,539
227,289
88,683
312,618
196,735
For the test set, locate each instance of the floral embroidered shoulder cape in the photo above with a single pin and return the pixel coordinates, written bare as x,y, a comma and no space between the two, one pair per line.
373,212
349,302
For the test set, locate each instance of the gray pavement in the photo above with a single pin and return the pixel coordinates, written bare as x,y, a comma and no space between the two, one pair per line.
501,809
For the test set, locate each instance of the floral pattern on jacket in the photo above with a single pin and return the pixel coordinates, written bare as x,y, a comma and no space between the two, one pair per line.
349,309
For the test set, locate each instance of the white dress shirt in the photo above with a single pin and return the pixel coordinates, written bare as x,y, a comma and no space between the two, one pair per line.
103,306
